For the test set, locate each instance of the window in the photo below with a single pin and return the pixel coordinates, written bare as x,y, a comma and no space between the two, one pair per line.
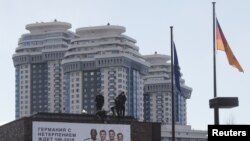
77,107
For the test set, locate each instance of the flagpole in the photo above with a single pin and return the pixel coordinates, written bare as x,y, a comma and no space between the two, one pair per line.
172,84
216,110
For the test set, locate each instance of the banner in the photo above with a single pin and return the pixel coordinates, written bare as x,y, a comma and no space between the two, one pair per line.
63,131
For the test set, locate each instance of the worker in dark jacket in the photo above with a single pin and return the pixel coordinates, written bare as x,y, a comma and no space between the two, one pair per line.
99,99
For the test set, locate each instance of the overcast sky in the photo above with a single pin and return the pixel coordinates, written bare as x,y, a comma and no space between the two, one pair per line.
148,22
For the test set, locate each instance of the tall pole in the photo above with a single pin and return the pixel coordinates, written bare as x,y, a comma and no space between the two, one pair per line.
172,84
216,110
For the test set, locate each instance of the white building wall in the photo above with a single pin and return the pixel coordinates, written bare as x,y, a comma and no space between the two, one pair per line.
55,86
25,85
160,111
76,97
167,107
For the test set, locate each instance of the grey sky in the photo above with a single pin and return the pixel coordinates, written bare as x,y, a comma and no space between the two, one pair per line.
148,22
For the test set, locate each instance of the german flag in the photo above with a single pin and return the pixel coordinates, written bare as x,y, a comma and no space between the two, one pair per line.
223,45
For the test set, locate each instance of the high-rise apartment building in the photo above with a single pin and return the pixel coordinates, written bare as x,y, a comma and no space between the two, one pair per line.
157,92
61,71
37,61
102,60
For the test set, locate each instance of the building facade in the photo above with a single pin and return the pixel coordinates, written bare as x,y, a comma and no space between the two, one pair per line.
182,133
102,60
37,61
157,92
61,71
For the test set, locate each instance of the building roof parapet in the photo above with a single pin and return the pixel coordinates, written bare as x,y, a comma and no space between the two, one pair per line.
48,26
129,38
159,70
156,87
97,63
42,46
38,57
42,50
156,56
96,31
104,36
138,60
21,40
156,82
149,76
115,44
